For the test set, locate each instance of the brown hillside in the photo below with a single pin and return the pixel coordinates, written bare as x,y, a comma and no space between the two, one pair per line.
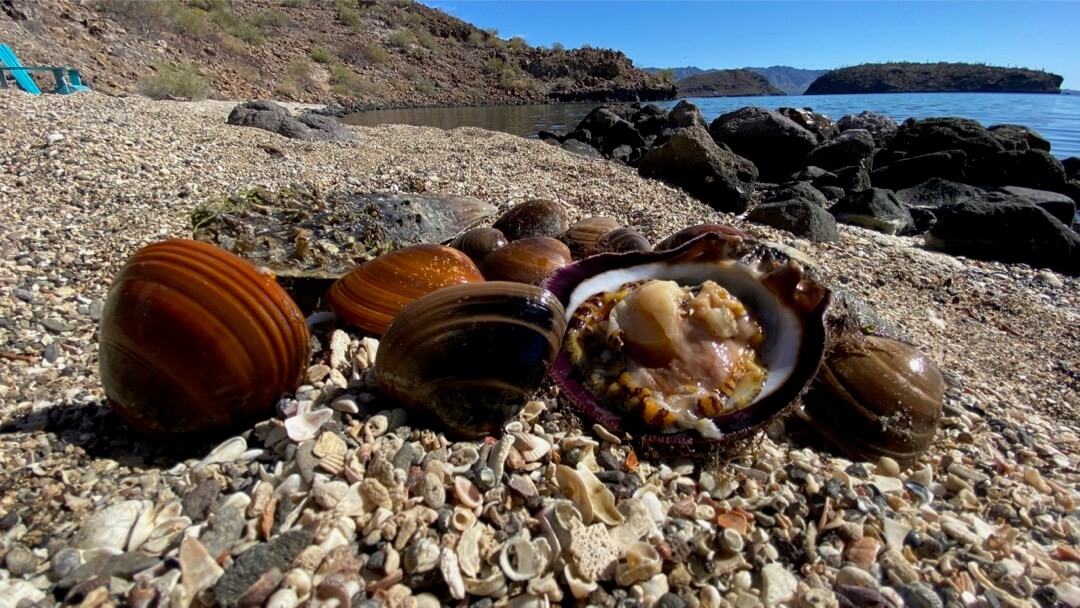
349,52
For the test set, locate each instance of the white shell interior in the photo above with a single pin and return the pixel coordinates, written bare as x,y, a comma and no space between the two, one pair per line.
783,329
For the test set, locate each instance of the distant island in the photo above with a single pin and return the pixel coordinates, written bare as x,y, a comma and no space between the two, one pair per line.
725,83
939,77
792,81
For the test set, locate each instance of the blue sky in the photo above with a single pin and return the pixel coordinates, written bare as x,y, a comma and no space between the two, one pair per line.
825,34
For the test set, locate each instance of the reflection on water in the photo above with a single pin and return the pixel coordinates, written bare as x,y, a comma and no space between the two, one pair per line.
1055,117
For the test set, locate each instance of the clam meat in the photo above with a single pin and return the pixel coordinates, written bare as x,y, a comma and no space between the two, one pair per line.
707,341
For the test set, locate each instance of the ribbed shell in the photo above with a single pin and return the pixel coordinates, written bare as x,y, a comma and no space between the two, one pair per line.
471,355
196,340
371,295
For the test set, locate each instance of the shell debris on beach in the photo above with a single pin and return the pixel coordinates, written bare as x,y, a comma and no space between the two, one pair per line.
344,500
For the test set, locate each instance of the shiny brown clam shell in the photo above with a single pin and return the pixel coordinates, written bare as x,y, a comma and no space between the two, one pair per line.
535,217
371,295
622,240
789,305
529,260
471,355
479,242
583,237
876,396
195,340
692,232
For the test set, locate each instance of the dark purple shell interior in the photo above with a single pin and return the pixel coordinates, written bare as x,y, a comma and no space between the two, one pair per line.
789,305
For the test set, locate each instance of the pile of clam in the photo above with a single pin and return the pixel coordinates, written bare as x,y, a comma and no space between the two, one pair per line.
704,338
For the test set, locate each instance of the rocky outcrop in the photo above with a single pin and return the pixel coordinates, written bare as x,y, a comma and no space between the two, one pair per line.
726,83
691,160
275,118
933,77
772,141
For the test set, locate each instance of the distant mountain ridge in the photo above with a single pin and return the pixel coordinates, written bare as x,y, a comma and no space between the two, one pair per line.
725,83
941,77
792,81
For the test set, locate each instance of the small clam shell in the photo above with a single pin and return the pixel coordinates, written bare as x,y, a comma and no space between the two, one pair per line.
467,493
471,355
478,243
591,496
692,232
622,240
532,447
462,459
330,450
643,562
468,550
536,217
583,237
529,260
876,396
520,560
370,296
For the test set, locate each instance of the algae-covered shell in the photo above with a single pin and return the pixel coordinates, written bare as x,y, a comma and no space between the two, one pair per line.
773,290
471,355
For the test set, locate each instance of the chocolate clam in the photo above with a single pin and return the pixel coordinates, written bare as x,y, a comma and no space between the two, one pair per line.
583,237
471,355
195,340
622,240
371,295
479,242
704,343
535,217
529,260
876,396
692,232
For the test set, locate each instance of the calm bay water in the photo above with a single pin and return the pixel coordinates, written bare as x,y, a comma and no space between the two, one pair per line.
1055,117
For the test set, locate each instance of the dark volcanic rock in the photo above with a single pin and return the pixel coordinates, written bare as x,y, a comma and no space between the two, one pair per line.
881,127
936,192
852,147
800,191
686,115
1058,205
691,160
250,565
1072,167
850,179
914,170
1029,168
579,147
1006,231
930,135
1018,137
272,117
802,218
610,130
876,209
773,142
818,124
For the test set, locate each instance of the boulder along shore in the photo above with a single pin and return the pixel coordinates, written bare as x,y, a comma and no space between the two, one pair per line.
369,508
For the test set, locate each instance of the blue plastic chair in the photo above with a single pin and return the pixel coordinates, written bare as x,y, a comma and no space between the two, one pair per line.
67,79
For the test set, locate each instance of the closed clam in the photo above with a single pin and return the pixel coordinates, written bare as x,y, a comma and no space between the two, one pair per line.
371,295
196,340
692,232
707,342
529,260
583,237
876,396
479,242
622,240
535,217
471,355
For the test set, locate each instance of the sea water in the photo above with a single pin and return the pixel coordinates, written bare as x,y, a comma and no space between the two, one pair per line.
1055,117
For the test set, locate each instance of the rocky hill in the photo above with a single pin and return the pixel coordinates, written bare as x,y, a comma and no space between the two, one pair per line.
934,77
725,83
356,53
792,81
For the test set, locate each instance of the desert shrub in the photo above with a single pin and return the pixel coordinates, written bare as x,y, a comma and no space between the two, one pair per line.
415,18
141,16
373,53
558,46
402,38
249,33
511,81
191,22
175,82
345,82
428,41
301,71
234,45
401,3
517,43
410,73
496,65
294,3
348,14
666,74
321,55
270,18
475,39
426,87
287,88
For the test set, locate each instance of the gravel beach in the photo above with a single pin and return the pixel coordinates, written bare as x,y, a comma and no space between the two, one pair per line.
366,508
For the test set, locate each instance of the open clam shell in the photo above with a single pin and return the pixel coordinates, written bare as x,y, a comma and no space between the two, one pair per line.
788,306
